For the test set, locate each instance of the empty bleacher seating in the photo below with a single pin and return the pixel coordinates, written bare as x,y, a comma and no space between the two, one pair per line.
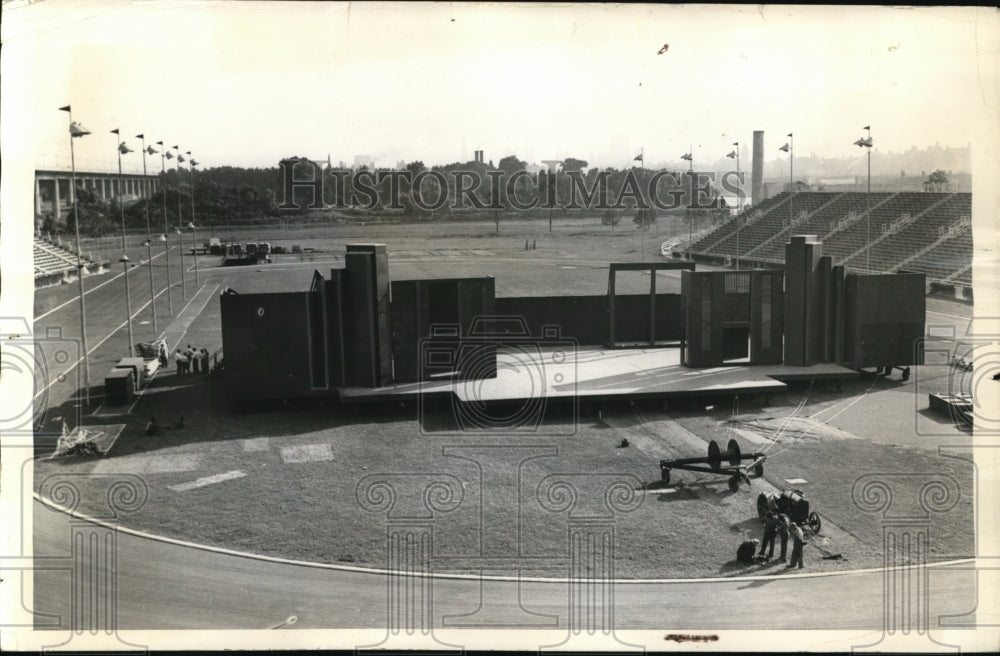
911,231
53,262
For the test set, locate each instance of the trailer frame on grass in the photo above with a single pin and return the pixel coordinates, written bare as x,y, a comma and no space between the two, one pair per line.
713,464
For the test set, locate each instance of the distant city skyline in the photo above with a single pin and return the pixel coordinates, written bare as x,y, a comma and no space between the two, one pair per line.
254,83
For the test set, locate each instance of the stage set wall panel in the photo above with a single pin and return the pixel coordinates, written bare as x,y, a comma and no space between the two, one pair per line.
335,359
366,315
767,298
732,316
444,310
264,336
884,317
583,318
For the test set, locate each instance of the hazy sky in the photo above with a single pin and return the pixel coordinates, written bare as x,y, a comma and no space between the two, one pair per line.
248,83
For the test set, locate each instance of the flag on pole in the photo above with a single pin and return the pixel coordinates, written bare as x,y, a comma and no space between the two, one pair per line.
736,143
159,143
638,158
175,147
789,134
124,149
194,163
687,156
77,130
151,151
785,148
867,127
115,131
863,142
64,109
732,155
170,155
140,136
180,158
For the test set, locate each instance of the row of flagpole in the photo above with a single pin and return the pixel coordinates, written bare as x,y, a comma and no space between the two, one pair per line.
788,147
76,130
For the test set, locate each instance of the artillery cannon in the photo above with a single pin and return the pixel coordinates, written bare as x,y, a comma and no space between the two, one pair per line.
731,456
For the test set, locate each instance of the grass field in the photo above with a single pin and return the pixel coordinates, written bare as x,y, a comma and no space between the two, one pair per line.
302,461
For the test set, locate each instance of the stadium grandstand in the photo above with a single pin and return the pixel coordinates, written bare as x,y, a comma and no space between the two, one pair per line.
54,263
929,233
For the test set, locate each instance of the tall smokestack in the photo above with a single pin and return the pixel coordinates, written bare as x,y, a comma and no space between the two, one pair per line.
757,169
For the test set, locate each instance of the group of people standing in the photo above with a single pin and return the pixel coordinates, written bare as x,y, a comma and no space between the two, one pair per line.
191,360
780,525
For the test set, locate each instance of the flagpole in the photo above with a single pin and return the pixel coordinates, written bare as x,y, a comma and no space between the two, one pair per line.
194,230
166,227
180,224
149,236
868,203
642,212
739,223
124,260
690,159
79,263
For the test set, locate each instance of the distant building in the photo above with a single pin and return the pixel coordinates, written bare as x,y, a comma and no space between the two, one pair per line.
363,160
54,195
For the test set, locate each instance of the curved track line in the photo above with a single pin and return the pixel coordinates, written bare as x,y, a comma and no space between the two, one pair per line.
436,575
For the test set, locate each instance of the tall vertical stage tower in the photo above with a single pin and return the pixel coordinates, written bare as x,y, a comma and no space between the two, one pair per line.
803,306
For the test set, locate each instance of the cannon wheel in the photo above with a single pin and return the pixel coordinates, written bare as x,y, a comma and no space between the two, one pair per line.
761,504
815,524
714,455
759,469
665,476
734,483
734,452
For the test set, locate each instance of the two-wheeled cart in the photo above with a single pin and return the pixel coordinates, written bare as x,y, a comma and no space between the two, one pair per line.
714,464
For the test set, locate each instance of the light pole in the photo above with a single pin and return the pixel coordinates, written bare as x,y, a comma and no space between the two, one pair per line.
690,160
194,235
866,142
735,153
122,150
149,234
166,228
76,130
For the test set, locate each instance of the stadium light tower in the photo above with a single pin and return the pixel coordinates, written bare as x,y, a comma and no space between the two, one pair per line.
735,153
77,130
866,142
166,228
124,150
149,234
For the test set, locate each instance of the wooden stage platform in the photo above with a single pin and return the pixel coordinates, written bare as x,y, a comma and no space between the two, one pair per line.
595,374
